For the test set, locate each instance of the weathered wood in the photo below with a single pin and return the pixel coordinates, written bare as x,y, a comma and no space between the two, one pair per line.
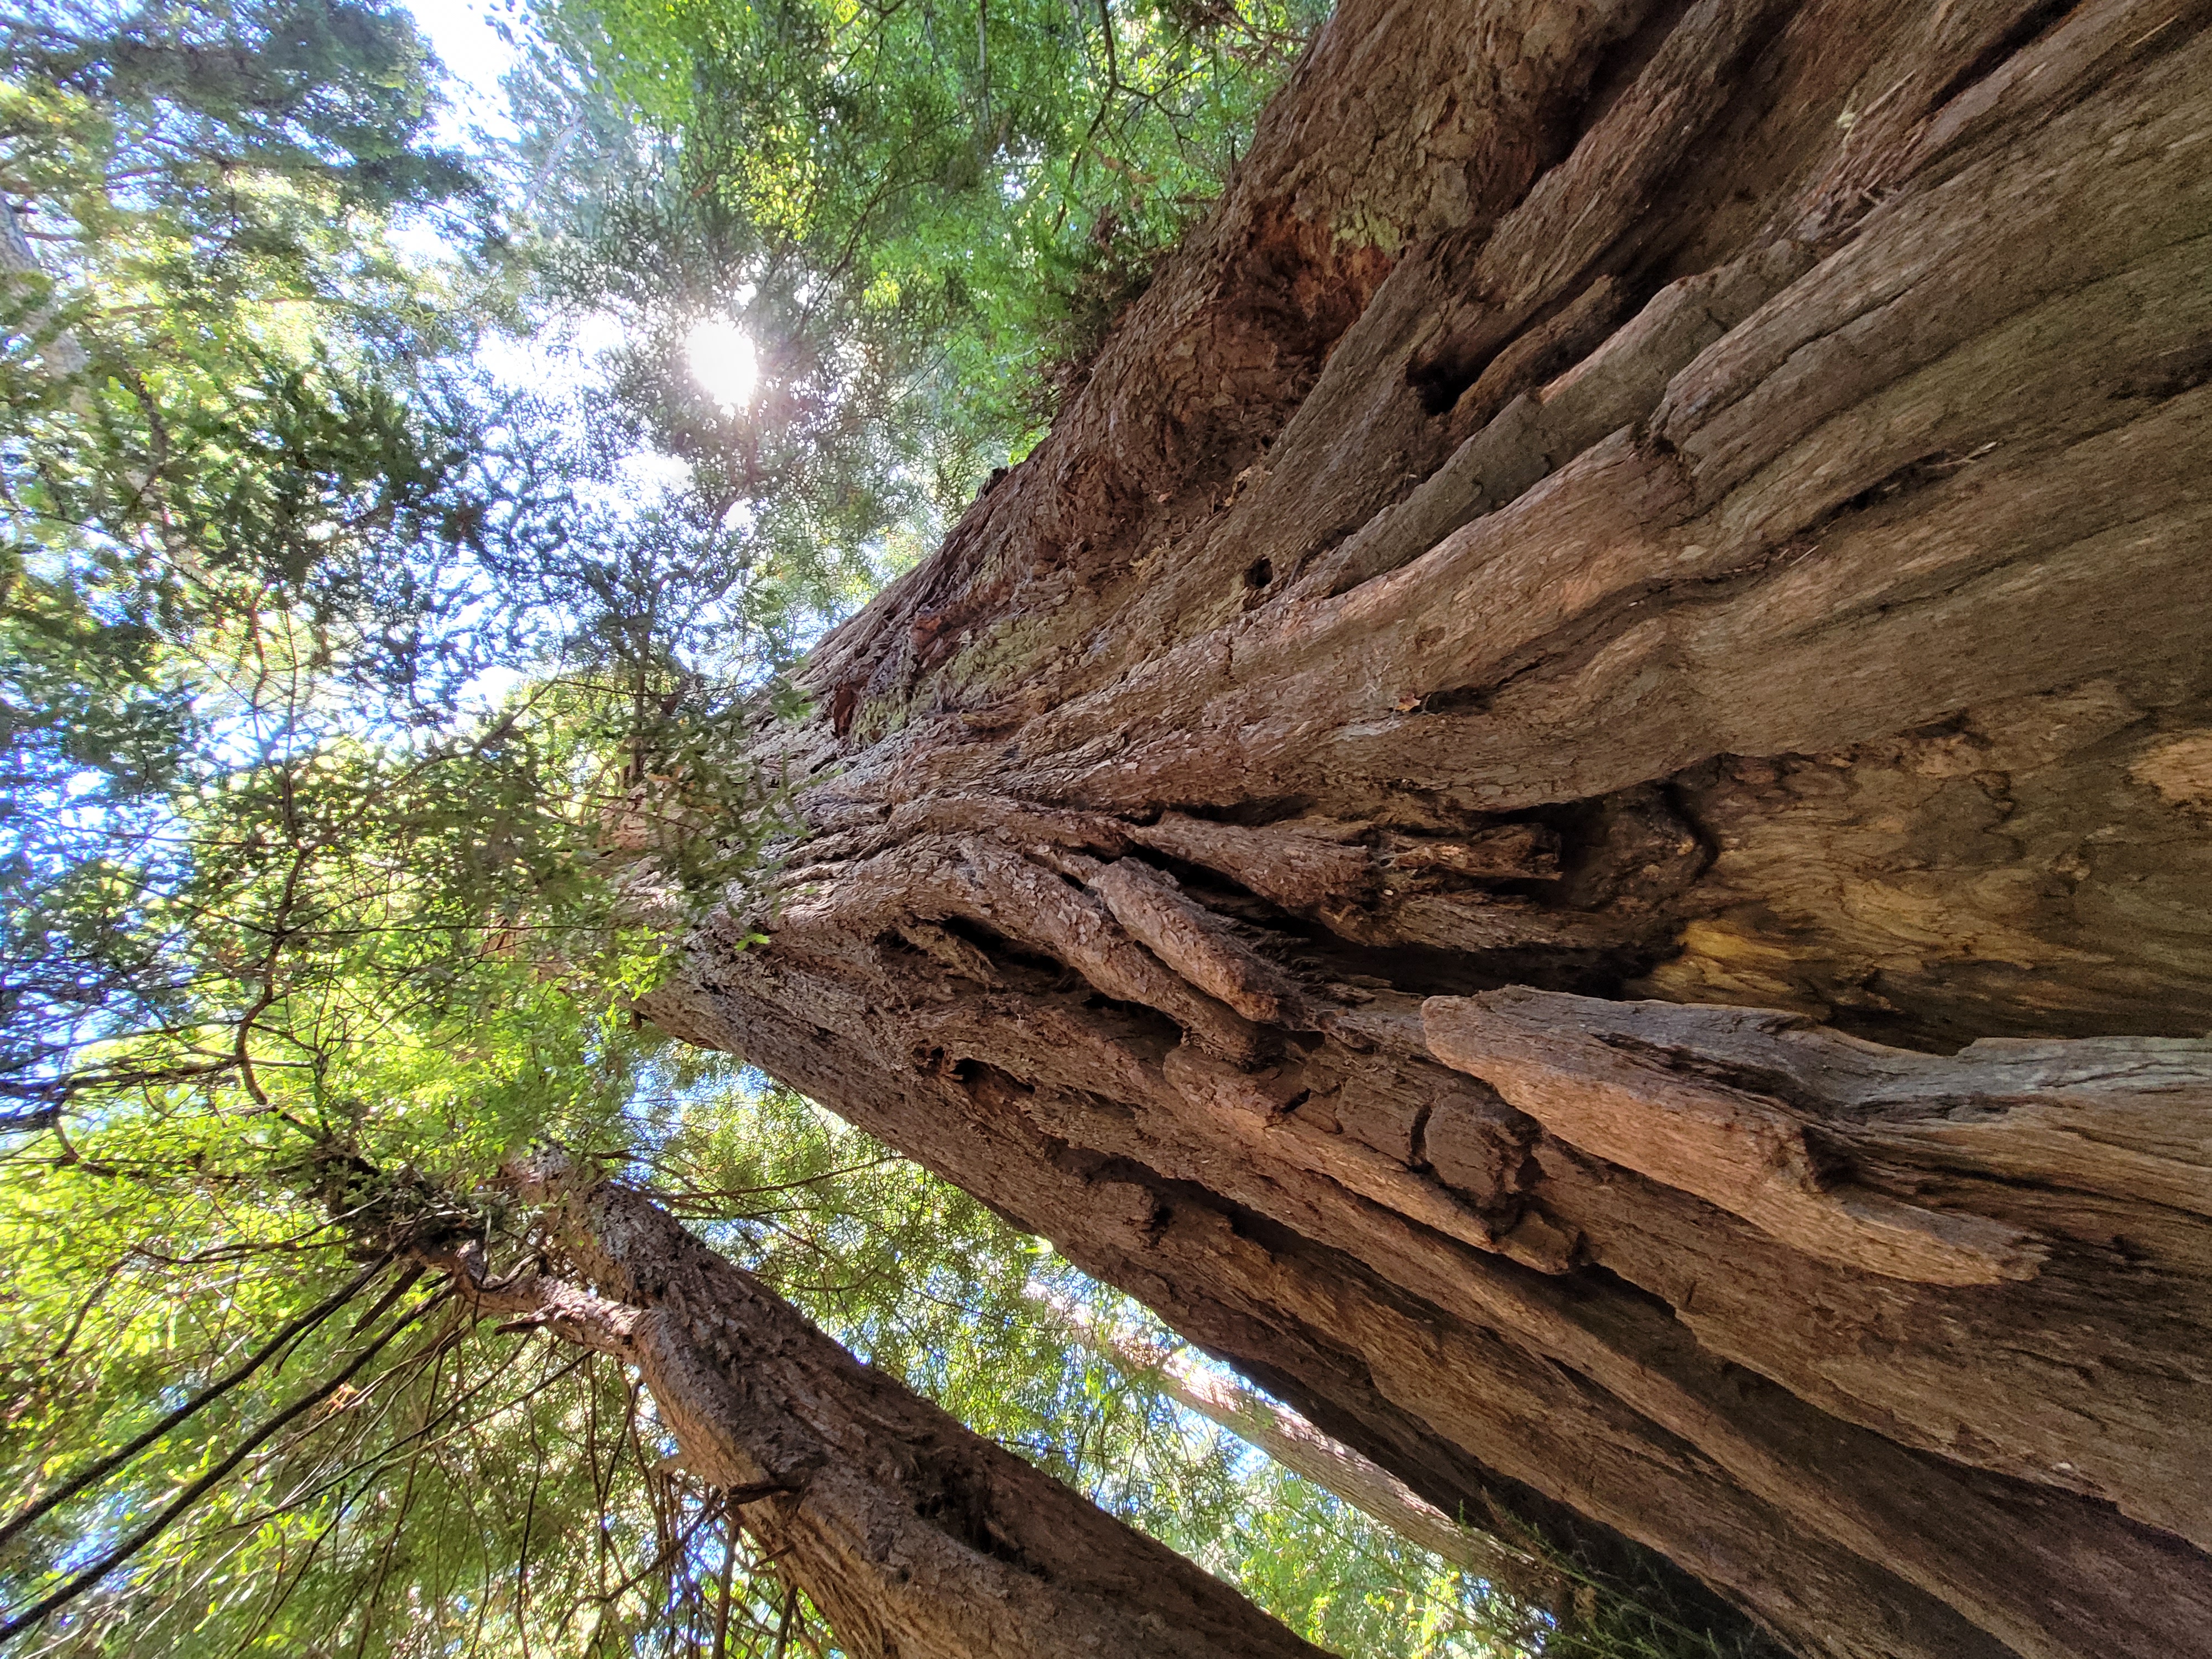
1622,507
1656,1110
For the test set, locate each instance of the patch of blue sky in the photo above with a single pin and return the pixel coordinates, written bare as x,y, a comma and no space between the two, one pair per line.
565,355
563,360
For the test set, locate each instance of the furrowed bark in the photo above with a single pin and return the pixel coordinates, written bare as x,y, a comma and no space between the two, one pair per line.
914,1537
1569,815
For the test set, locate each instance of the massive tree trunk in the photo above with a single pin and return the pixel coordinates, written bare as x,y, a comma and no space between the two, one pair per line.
1630,514
916,1539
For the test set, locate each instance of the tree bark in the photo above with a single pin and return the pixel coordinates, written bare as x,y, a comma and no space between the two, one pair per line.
1567,815
916,1539
60,354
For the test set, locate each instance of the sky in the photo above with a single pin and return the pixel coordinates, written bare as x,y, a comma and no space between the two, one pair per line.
473,53
561,357
477,57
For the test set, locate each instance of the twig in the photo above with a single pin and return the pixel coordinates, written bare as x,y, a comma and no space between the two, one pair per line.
115,1460
153,1529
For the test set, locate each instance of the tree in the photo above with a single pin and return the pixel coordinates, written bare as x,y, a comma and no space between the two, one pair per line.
304,936
1297,1444
1634,588
921,218
188,181
309,930
410,1474
225,456
913,1534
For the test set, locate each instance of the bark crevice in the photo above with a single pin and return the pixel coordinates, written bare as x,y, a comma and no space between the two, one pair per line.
1654,966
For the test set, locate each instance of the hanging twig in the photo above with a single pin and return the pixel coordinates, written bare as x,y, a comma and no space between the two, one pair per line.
1113,63
191,1495
1113,86
729,1573
983,66
115,1460
783,1628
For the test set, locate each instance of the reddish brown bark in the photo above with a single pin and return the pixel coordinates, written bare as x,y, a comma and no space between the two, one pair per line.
915,1537
1692,504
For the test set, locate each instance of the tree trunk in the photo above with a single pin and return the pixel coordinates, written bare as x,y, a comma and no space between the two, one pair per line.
60,354
916,1539
1624,506
1329,1464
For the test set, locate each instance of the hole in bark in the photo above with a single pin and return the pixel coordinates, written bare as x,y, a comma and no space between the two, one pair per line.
1417,1138
1915,474
960,1507
1003,953
1145,1030
1259,574
1457,700
1634,850
1549,341
1604,1281
1439,380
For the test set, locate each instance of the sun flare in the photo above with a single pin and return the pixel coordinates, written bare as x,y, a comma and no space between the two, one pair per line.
723,361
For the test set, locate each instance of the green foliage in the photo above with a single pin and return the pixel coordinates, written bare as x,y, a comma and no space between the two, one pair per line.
334,93
1353,1587
917,1277
249,808
177,1231
465,1490
923,214
256,563
222,479
212,181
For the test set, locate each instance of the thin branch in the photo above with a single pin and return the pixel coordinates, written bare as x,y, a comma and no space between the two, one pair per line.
783,1626
729,1572
115,1460
44,1609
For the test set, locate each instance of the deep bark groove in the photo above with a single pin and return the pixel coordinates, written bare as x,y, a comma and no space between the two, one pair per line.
1629,515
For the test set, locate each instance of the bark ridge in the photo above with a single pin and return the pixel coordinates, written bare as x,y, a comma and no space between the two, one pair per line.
1569,814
